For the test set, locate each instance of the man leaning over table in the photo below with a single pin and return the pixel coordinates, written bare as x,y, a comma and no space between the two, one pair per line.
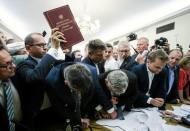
152,80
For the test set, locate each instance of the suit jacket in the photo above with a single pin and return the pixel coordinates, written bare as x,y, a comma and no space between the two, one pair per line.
4,121
128,63
62,98
4,125
30,83
87,60
157,89
127,98
173,94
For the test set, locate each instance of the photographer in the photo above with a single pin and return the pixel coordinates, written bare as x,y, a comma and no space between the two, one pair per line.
162,43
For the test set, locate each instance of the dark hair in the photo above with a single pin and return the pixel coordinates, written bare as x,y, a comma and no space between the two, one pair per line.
3,47
29,40
108,45
96,44
160,54
9,41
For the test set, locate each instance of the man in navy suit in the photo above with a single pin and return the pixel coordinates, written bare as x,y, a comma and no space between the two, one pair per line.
95,55
120,85
71,83
172,70
152,80
31,75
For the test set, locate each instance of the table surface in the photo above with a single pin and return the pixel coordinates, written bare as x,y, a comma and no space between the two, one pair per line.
144,119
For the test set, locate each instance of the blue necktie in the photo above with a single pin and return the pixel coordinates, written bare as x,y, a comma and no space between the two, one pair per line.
9,104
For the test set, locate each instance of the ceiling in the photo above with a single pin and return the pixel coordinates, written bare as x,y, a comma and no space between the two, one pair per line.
117,17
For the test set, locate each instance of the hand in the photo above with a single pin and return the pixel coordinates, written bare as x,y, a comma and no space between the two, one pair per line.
56,38
139,59
185,102
158,102
102,115
188,98
85,122
113,114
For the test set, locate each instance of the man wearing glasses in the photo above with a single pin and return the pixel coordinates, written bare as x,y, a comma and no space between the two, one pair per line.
31,74
125,60
10,109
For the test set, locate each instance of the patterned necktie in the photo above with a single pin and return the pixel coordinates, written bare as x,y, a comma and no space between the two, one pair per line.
9,104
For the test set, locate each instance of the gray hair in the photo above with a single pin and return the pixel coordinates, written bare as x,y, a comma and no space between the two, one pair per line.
123,43
144,38
79,77
118,82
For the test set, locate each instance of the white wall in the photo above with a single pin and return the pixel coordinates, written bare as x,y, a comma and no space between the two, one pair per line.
181,33
8,33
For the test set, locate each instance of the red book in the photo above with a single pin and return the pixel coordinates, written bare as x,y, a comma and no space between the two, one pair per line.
63,18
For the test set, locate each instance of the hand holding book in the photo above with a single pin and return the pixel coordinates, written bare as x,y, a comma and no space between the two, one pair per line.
56,38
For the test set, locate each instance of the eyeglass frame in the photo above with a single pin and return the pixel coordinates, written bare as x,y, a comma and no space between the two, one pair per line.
9,65
124,51
41,45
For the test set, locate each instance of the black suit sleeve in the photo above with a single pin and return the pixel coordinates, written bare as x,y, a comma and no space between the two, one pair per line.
31,72
130,96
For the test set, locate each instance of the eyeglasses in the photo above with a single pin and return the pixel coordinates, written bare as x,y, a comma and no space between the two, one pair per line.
8,65
107,51
124,50
41,45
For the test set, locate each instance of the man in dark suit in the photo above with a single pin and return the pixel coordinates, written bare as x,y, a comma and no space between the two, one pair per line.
72,83
172,70
7,71
125,60
152,80
31,75
122,85
95,56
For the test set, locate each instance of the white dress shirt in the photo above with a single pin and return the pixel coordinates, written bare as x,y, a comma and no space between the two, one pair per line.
111,64
150,78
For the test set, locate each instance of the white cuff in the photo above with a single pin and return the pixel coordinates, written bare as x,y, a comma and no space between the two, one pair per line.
98,108
56,53
149,99
110,110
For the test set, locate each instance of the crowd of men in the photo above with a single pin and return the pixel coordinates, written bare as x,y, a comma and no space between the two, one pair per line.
46,89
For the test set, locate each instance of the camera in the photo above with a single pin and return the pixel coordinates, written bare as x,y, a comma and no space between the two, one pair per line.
131,37
178,46
162,41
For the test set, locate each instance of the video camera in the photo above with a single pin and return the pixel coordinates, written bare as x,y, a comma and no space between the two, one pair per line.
162,41
131,37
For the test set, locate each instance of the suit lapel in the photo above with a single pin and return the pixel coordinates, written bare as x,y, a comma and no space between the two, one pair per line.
145,77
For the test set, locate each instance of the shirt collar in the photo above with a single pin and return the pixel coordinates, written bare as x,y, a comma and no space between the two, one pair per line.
173,68
37,59
149,69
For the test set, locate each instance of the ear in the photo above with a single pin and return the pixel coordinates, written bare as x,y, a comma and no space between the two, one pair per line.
106,80
66,82
148,61
27,47
107,83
